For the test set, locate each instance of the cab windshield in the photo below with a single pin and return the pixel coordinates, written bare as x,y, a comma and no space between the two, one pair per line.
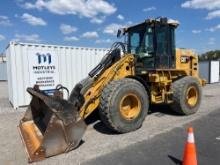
141,41
154,46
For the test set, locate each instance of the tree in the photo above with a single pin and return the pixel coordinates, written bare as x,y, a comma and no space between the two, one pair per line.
210,55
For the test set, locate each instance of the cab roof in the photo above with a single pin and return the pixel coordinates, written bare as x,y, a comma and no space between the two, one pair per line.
161,20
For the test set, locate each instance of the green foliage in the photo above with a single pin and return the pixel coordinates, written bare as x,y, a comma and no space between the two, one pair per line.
211,55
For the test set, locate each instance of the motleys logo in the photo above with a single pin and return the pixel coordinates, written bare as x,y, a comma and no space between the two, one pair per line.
42,58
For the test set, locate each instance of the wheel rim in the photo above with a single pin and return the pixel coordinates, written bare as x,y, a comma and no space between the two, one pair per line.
192,96
130,106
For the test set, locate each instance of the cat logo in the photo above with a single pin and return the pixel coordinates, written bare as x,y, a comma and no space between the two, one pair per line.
184,59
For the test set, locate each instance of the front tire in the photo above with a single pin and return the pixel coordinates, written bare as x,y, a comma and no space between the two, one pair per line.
124,105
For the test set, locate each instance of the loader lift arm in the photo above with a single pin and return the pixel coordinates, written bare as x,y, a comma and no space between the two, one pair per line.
123,68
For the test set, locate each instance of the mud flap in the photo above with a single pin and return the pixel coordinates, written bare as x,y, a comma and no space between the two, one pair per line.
50,126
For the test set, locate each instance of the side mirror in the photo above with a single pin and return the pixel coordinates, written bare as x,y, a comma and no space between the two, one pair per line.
119,33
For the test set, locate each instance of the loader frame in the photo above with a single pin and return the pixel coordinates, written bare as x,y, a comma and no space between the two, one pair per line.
156,81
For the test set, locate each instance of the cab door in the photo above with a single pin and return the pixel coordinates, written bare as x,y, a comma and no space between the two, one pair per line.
165,47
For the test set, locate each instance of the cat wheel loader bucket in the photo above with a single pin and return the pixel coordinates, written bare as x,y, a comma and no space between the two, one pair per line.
50,126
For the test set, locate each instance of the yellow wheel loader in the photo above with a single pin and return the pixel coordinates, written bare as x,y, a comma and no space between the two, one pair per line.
146,69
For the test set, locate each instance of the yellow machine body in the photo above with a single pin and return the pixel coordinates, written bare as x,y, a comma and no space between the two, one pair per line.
161,79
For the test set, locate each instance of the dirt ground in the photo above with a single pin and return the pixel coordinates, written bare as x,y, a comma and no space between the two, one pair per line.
98,140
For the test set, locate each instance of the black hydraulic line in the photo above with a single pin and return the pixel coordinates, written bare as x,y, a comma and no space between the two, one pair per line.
108,59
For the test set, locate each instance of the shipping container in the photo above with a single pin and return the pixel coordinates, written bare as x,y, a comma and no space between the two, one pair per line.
47,66
3,71
209,70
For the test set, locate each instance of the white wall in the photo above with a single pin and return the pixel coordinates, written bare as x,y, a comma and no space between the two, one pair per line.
214,73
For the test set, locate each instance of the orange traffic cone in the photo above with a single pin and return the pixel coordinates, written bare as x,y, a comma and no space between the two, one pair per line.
190,157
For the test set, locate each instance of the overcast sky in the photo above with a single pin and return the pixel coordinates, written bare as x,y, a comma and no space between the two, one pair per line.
94,23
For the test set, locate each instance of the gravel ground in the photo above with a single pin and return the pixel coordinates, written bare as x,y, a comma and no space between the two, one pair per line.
98,140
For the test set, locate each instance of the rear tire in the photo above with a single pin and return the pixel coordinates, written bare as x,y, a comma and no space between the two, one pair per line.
187,95
123,105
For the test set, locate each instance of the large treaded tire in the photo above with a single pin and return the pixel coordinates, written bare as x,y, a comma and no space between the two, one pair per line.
109,108
179,89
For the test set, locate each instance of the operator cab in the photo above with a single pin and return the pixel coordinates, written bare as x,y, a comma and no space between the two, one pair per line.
153,43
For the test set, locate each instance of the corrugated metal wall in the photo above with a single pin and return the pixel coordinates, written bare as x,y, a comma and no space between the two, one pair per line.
3,71
74,63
